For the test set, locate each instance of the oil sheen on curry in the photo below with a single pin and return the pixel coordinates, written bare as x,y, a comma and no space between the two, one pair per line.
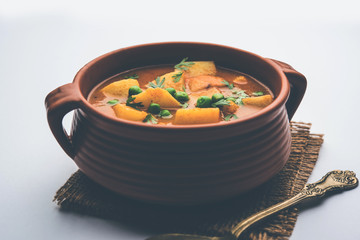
191,92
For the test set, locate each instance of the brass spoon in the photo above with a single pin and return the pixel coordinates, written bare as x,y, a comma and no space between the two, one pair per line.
334,180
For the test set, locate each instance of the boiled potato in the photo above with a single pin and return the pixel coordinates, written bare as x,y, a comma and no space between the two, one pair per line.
128,113
120,88
240,80
156,95
209,92
197,116
169,80
261,101
201,68
204,81
230,109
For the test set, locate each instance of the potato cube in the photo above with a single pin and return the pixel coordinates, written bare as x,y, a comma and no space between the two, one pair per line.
156,95
128,113
197,116
240,80
120,88
209,92
230,109
169,80
261,101
204,81
201,68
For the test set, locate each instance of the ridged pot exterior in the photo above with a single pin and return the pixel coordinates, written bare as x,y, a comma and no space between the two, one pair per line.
179,166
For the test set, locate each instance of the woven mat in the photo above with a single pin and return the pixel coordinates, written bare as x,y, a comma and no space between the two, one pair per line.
80,194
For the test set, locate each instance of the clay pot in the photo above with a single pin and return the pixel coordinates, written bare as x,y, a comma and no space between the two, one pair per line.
180,165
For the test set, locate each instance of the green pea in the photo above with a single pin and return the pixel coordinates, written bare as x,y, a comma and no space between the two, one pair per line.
181,96
231,99
154,108
165,113
134,90
172,91
216,97
203,102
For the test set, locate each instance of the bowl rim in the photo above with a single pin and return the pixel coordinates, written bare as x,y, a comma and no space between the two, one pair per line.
278,101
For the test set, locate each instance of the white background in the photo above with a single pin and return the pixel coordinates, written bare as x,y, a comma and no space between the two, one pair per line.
44,43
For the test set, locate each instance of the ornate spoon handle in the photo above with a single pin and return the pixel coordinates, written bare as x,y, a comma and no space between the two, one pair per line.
334,180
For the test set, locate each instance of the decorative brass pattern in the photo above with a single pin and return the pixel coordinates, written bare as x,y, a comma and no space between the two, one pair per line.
334,180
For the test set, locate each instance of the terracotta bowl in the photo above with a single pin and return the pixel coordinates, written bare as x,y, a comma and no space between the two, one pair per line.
179,165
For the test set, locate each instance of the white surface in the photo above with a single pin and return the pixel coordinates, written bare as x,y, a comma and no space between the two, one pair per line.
43,44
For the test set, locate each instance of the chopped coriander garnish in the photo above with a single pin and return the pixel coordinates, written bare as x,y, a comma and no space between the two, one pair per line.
230,86
177,77
134,76
257,93
130,103
184,89
184,105
239,95
239,101
220,103
159,83
183,65
228,117
150,119
113,102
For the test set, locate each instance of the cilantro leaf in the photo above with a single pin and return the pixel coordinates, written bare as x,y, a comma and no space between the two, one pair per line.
150,119
228,117
184,105
239,101
134,76
257,93
240,95
183,65
177,77
220,103
130,103
113,102
159,83
184,89
230,86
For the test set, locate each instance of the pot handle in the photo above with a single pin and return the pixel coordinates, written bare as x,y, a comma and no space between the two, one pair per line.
58,103
297,87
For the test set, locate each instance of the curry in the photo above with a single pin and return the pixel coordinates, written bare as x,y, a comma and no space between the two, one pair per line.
191,92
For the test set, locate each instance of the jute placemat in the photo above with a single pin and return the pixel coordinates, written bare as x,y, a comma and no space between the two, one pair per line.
82,195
